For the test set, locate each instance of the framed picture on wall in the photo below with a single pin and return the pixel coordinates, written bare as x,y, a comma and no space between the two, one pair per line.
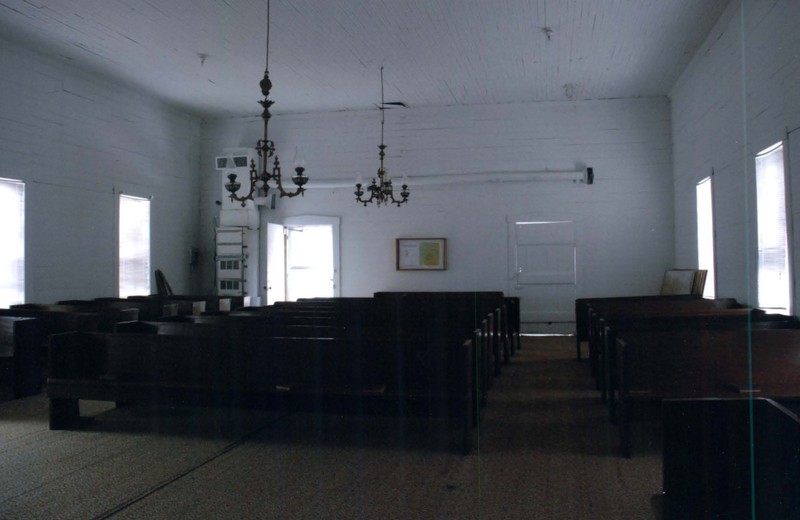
421,254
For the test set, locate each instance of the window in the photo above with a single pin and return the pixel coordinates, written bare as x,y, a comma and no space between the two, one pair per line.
774,285
12,236
705,235
134,246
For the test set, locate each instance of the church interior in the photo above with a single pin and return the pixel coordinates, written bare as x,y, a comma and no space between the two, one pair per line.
399,259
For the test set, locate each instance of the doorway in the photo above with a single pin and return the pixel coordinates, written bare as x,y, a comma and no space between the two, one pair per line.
542,269
302,258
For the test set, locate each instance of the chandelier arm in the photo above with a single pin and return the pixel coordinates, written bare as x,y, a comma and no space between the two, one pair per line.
249,196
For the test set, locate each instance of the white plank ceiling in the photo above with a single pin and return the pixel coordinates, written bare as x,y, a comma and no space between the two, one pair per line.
207,56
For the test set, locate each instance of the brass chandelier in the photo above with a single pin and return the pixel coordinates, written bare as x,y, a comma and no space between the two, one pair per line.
381,190
260,175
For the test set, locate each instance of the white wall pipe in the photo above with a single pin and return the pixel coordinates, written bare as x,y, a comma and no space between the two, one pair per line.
576,176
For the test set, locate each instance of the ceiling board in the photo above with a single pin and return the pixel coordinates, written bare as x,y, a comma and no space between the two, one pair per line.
207,56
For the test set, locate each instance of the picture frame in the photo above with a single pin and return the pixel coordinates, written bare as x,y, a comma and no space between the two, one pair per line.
421,254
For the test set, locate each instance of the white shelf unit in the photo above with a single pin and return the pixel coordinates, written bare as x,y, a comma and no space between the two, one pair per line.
231,261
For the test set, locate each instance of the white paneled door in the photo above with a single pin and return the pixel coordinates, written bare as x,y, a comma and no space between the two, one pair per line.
542,256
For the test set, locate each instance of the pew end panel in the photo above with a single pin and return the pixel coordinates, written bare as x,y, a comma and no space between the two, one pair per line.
20,359
708,447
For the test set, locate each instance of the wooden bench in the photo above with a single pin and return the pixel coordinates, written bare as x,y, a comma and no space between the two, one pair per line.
451,317
62,317
704,363
713,318
290,373
438,320
583,306
601,312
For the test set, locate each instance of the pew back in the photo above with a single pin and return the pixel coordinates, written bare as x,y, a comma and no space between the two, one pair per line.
705,363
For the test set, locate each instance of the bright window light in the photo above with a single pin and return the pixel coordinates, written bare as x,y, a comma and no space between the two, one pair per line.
134,246
12,236
774,284
705,235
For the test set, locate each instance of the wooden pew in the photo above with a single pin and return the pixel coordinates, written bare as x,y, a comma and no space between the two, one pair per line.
51,321
277,314
130,368
20,361
103,315
232,328
704,363
445,316
440,360
58,318
583,305
239,327
712,318
154,307
601,312
730,458
295,373
61,317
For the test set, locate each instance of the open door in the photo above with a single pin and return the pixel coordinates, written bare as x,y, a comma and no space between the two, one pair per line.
304,261
276,263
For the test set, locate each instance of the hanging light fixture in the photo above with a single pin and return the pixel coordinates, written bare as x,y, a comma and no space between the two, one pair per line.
381,190
260,176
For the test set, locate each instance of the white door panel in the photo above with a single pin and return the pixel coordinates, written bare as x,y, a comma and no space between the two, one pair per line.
542,273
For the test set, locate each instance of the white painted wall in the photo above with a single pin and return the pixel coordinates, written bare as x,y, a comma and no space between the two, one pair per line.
624,221
76,139
739,95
